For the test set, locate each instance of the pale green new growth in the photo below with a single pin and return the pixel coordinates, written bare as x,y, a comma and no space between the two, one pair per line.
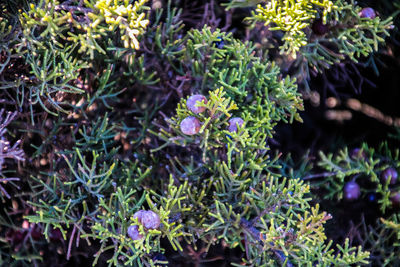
87,24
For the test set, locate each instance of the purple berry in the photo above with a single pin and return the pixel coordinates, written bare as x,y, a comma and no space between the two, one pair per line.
139,215
395,199
351,191
319,28
389,172
149,219
193,101
190,125
133,232
367,12
233,124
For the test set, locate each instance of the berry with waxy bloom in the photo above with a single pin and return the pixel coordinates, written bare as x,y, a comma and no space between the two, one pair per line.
319,28
133,232
193,101
149,219
190,125
351,191
367,12
389,172
233,123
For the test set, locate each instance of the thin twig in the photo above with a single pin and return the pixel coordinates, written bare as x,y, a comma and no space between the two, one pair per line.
73,8
318,175
71,238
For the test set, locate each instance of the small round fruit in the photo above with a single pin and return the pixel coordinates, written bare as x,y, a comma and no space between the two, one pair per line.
193,101
351,191
233,124
139,215
133,232
319,28
395,199
367,12
389,172
190,125
149,219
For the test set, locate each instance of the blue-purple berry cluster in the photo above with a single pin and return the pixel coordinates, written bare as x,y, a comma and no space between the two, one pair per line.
149,219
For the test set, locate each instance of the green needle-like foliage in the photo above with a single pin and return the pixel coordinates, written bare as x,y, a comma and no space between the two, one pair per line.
292,17
85,24
98,91
54,70
344,34
255,85
365,166
241,200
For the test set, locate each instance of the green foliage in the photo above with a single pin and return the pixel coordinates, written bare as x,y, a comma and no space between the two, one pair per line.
254,84
117,75
393,223
213,120
365,167
85,23
382,240
96,199
234,195
360,36
112,224
54,70
347,34
292,17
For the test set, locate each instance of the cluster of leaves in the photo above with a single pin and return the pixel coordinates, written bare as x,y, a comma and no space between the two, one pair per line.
85,22
350,35
97,200
234,195
213,59
318,34
66,57
293,17
381,239
364,166
54,39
